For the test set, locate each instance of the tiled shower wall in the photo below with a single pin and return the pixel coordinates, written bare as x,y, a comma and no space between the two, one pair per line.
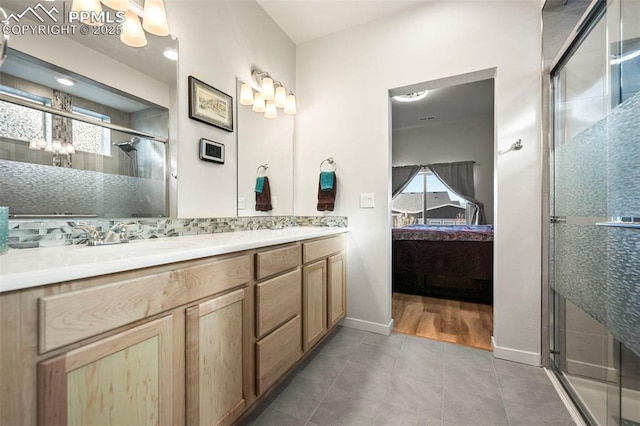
49,233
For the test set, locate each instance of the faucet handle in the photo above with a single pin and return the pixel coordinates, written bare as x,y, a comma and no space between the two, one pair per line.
93,236
121,229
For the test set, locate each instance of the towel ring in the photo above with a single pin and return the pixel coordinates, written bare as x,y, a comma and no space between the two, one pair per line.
264,168
331,162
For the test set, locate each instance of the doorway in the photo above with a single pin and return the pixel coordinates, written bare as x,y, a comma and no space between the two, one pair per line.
442,236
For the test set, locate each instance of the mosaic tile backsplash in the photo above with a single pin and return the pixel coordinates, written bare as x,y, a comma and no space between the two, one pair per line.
50,233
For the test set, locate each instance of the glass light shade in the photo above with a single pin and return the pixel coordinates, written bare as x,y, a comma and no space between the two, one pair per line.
132,33
246,94
42,143
281,97
258,103
154,19
116,4
33,145
290,107
91,6
267,89
271,111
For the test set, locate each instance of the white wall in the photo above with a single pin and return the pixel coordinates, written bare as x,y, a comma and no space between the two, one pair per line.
433,41
465,140
219,40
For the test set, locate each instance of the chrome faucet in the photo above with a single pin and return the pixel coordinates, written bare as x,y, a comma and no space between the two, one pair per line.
116,235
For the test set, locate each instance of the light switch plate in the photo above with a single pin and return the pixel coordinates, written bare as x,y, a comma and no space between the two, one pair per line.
242,203
367,201
274,202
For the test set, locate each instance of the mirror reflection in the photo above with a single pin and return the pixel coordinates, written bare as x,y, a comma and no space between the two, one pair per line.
264,142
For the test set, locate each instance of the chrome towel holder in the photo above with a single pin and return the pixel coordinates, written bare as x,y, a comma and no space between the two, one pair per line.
331,163
264,168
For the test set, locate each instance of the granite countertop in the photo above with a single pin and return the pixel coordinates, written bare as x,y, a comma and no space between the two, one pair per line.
27,268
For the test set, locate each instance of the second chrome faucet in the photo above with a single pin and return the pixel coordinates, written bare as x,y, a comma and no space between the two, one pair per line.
117,234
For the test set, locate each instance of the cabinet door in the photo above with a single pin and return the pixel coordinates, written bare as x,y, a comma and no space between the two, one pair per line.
336,289
314,303
122,379
217,357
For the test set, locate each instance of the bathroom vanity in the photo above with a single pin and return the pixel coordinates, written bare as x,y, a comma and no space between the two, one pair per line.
187,330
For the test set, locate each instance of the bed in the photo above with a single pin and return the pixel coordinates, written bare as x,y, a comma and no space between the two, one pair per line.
444,261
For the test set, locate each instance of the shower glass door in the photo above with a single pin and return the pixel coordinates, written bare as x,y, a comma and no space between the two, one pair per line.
595,266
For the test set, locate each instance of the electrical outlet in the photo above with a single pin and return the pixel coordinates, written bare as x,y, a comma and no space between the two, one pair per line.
367,201
242,203
274,202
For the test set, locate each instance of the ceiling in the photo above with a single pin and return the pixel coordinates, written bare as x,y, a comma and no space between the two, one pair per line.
304,20
454,103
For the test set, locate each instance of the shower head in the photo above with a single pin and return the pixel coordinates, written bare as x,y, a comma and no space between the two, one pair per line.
128,146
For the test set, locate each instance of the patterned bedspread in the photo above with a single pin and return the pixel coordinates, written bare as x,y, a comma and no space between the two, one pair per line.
443,233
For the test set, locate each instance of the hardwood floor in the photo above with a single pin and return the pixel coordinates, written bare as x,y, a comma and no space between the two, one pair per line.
465,323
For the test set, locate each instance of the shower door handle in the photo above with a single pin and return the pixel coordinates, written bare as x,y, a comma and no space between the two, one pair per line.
627,225
558,219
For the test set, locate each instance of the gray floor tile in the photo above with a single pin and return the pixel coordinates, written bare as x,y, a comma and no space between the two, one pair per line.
393,416
324,369
544,414
531,373
425,369
423,347
457,355
381,358
395,340
266,416
341,407
415,396
464,380
473,410
540,403
300,398
359,379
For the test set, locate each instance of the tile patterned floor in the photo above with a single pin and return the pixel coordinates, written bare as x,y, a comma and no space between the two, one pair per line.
359,378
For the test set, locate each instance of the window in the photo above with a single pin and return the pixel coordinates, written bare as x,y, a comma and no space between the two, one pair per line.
88,137
21,123
426,200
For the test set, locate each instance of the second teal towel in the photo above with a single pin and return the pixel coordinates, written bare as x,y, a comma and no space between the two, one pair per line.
259,184
326,181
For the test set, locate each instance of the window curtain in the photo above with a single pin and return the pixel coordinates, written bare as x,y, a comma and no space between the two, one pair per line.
458,177
400,178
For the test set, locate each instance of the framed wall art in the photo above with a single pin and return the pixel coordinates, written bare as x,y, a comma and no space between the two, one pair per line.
209,105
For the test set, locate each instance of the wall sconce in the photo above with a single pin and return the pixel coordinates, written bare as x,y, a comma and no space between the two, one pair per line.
269,97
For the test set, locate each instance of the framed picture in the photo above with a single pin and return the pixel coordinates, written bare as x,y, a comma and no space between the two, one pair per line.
209,105
211,151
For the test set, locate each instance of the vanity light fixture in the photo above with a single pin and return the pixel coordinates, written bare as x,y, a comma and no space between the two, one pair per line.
132,33
117,4
92,6
270,95
154,20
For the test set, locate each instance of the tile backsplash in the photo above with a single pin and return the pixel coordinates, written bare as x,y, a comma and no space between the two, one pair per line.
50,233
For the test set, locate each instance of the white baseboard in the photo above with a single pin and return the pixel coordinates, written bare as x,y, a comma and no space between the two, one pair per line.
515,355
363,325
566,400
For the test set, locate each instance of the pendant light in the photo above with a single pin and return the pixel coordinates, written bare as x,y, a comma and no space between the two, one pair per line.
154,20
132,33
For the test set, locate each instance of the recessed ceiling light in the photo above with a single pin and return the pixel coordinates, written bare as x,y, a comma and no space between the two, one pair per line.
65,81
411,97
171,54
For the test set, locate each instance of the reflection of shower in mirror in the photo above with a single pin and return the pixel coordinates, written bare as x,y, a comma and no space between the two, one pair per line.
128,146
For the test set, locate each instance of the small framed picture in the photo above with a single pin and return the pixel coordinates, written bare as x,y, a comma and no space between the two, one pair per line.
209,105
211,151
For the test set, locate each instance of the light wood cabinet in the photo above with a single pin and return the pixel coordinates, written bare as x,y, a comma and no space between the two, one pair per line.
314,303
336,289
323,288
217,359
123,379
276,354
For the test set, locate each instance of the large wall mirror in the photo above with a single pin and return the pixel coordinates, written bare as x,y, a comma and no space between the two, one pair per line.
85,124
265,148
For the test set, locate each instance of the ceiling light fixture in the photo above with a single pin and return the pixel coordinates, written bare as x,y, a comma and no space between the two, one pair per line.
65,81
270,95
411,97
171,54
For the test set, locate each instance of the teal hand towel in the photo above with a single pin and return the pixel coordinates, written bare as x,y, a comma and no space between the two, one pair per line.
326,181
259,184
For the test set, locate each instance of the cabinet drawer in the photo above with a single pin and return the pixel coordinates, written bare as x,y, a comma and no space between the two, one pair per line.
276,353
73,316
322,248
277,300
274,261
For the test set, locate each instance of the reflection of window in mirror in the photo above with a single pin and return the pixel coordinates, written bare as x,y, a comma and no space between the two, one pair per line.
93,152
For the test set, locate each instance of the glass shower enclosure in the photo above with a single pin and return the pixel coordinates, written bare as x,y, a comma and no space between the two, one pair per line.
595,203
